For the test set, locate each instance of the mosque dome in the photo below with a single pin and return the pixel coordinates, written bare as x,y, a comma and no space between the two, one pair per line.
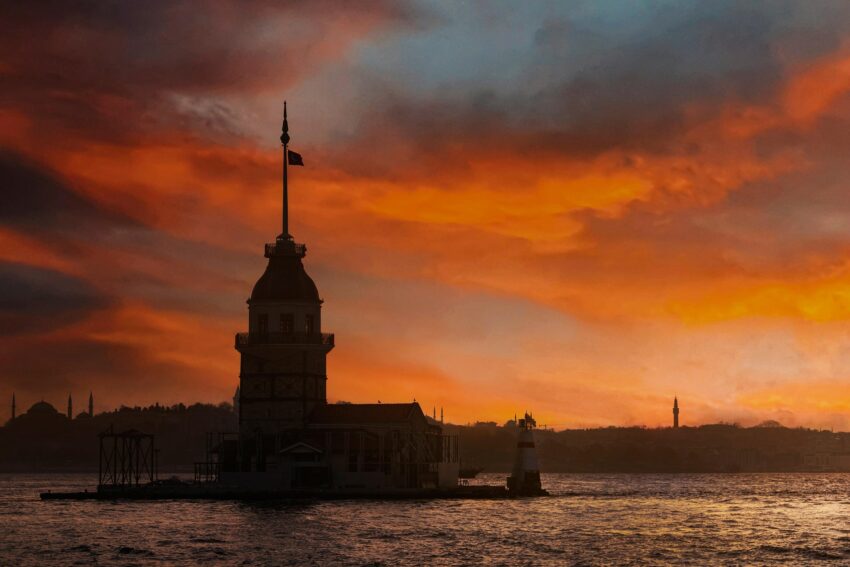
42,408
285,280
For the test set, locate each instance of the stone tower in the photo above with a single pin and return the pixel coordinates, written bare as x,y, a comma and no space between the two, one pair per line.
675,413
282,372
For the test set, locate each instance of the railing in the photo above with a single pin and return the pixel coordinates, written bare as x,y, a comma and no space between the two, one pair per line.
285,247
243,339
207,471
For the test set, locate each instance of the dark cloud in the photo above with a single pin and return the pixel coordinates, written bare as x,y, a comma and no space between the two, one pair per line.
589,91
36,200
35,300
40,205
110,70
636,93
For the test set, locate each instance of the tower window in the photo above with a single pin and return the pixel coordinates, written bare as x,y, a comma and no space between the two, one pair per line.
308,324
263,324
287,323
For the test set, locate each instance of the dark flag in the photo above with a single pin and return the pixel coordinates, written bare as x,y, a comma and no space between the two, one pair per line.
295,158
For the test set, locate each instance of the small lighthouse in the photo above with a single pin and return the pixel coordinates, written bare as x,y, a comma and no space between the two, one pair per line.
525,478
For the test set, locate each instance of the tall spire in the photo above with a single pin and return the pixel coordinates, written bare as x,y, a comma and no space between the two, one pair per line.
675,412
284,141
91,404
70,410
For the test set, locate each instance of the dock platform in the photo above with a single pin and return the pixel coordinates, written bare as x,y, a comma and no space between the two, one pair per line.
221,492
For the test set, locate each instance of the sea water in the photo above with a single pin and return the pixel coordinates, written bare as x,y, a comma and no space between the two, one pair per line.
590,519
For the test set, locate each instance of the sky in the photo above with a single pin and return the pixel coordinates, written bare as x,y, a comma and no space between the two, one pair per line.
576,208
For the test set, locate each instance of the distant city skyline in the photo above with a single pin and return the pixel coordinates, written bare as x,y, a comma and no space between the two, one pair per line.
17,410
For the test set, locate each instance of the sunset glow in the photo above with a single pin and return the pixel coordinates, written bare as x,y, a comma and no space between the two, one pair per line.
506,207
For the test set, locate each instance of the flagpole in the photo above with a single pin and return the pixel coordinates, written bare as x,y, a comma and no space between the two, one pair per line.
284,139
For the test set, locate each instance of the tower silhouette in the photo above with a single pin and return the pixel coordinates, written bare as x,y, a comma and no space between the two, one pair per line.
675,413
70,408
91,404
283,355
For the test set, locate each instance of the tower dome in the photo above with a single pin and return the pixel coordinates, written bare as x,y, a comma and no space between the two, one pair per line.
285,278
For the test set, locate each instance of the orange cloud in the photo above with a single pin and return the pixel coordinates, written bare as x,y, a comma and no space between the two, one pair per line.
806,399
817,87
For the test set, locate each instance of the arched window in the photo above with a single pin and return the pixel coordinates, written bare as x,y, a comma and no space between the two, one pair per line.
287,323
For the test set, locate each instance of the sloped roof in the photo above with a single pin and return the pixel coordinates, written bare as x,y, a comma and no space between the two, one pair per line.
364,413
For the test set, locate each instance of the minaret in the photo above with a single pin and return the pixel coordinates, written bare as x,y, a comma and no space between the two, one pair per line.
675,412
70,410
14,407
283,355
91,404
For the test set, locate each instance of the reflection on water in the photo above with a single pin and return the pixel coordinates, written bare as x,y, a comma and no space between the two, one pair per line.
590,520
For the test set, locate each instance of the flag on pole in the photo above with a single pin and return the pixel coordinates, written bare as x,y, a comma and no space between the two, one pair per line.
295,158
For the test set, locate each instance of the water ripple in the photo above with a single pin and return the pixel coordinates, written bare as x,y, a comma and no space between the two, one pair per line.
764,519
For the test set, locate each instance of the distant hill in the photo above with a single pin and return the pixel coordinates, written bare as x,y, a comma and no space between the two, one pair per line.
45,440
769,447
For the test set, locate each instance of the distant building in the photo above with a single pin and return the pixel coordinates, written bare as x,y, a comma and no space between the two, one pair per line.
289,436
42,411
827,462
675,413
43,408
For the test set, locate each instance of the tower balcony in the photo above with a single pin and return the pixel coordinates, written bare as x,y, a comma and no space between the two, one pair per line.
285,247
323,339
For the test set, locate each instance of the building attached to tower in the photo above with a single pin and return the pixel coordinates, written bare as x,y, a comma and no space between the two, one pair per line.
289,436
